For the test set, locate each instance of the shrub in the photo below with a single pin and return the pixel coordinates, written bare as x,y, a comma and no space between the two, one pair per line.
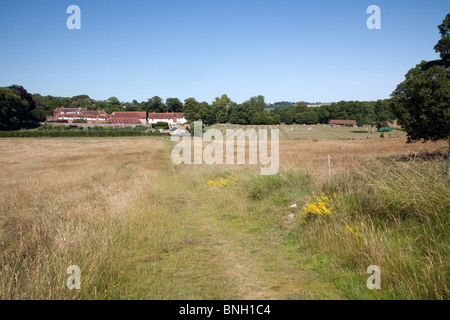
75,133
161,125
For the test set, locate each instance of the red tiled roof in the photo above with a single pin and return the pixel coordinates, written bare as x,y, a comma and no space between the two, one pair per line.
334,121
165,115
129,114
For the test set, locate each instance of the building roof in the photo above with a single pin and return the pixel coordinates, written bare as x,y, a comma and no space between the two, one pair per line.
165,115
80,111
335,121
129,114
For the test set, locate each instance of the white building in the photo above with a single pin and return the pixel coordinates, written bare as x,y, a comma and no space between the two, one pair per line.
172,118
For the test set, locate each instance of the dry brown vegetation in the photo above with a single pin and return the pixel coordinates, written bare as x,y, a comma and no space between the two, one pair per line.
346,154
58,199
140,227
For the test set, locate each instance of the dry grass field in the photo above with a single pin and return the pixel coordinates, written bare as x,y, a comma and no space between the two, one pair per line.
317,132
140,227
346,155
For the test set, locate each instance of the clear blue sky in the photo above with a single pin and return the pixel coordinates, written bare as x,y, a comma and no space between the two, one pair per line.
285,49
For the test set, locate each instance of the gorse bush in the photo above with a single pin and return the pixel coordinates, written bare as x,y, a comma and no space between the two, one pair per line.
318,205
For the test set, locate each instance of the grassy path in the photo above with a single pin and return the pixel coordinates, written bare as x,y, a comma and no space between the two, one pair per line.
217,253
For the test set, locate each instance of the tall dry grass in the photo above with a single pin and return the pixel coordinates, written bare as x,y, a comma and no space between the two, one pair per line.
62,203
393,213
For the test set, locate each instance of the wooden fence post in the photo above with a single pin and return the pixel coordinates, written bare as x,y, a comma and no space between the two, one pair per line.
329,168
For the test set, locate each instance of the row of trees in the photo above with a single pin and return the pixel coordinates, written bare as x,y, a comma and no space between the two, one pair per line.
253,111
377,113
223,109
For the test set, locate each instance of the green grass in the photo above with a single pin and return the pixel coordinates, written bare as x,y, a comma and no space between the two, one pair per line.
404,209
318,132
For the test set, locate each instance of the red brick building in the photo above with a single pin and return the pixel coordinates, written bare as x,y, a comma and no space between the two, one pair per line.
71,114
128,117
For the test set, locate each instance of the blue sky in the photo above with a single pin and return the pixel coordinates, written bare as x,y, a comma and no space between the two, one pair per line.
285,49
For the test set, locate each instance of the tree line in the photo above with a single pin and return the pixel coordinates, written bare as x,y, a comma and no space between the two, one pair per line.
18,107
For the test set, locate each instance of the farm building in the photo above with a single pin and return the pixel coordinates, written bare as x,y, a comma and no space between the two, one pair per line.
171,118
130,117
71,114
343,123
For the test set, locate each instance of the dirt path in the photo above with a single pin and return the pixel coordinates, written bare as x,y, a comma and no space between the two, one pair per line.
255,264
257,268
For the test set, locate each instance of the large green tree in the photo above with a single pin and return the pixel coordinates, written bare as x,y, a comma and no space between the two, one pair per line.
174,105
443,46
221,108
156,104
191,109
422,102
14,109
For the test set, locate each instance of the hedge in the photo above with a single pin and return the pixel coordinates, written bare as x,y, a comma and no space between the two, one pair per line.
33,134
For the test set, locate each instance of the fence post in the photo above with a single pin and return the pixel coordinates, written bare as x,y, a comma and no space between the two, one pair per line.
329,168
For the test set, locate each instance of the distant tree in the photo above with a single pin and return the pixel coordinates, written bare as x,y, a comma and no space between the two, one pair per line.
26,96
422,101
241,113
307,117
288,117
131,106
276,119
174,105
113,104
323,114
221,108
102,105
82,101
282,104
300,107
156,104
257,118
383,113
206,112
191,109
256,103
14,109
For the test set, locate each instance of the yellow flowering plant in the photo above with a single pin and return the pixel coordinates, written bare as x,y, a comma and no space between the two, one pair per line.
318,205
355,231
222,181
